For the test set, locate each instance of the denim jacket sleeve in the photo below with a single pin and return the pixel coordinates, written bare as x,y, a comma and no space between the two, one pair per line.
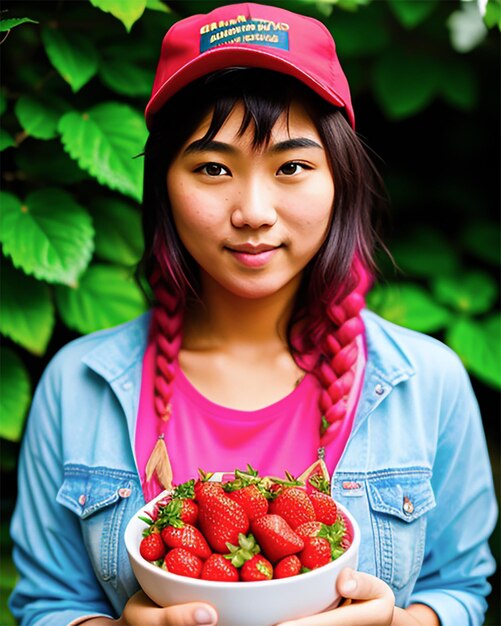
457,559
57,583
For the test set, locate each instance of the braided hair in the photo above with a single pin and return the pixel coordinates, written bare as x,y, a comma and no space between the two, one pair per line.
325,327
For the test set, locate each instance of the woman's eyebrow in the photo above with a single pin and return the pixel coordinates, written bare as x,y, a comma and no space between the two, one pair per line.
291,144
200,145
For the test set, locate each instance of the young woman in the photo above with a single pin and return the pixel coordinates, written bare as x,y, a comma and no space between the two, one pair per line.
258,202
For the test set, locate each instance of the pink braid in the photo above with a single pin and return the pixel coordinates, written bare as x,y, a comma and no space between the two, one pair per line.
167,332
336,370
335,353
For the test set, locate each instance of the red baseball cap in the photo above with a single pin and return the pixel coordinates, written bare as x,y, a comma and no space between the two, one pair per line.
250,35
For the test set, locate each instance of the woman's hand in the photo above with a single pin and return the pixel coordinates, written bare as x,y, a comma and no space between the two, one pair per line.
141,611
370,603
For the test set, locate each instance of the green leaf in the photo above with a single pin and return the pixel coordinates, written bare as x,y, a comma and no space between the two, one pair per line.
478,343
105,296
16,394
126,78
38,118
483,240
157,5
49,235
459,86
408,305
27,313
127,11
425,253
118,231
47,163
15,21
104,141
359,35
410,13
6,141
492,15
473,293
75,57
404,83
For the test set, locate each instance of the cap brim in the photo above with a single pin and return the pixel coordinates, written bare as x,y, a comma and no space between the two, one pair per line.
225,57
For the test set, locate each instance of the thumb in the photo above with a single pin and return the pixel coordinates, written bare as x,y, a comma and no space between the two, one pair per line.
360,586
191,614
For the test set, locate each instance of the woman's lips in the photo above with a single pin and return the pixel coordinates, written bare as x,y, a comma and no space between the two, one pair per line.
253,259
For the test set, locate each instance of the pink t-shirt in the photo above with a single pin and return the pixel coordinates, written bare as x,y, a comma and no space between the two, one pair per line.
203,434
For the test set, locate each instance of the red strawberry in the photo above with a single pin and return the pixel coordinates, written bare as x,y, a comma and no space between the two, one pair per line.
221,520
347,539
325,507
257,568
183,562
308,529
204,488
152,547
251,500
185,506
189,511
217,567
276,537
316,552
293,504
187,537
288,566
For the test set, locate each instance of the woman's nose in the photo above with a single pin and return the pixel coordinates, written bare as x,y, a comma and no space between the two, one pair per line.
253,207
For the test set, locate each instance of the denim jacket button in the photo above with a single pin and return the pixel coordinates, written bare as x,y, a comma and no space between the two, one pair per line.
82,499
379,389
124,492
408,506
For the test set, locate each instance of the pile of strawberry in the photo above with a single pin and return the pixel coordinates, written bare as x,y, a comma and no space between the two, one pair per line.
246,529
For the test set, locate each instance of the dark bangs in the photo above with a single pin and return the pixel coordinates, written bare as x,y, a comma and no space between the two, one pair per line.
265,96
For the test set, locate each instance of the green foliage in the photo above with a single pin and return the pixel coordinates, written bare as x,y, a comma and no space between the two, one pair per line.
127,11
409,305
479,346
48,235
39,118
411,13
75,57
16,394
105,296
493,14
27,310
104,141
6,25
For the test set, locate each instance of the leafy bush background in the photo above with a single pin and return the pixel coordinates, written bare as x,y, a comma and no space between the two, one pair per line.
75,78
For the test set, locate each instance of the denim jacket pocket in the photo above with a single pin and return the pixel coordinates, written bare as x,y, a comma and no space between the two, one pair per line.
98,497
398,501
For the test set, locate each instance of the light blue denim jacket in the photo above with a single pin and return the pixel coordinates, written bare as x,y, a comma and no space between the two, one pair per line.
415,473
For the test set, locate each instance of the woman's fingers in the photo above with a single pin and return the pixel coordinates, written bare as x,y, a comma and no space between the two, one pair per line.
371,603
360,586
141,611
192,614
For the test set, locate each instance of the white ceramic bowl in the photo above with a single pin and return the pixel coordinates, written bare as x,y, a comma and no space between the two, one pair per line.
242,604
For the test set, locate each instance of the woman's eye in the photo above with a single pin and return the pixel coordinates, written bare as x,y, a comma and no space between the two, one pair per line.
213,169
292,167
